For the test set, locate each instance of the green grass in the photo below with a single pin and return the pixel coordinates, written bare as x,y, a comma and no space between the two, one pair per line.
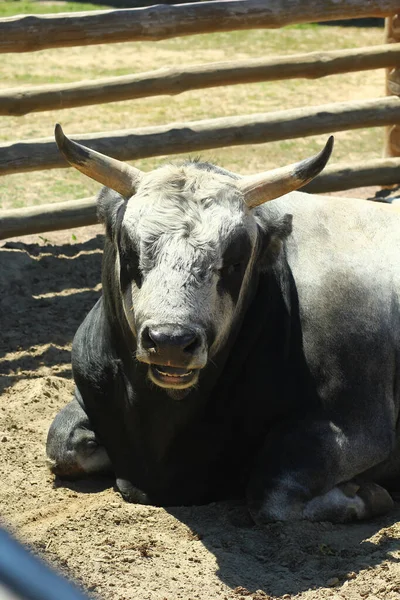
10,8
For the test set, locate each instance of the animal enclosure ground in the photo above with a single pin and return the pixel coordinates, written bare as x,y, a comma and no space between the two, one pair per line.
119,551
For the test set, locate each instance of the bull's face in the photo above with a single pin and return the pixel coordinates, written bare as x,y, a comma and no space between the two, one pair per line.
186,244
186,251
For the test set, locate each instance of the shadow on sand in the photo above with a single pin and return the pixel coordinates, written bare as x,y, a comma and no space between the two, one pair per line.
45,293
286,558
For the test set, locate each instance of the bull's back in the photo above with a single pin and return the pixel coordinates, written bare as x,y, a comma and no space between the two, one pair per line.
342,242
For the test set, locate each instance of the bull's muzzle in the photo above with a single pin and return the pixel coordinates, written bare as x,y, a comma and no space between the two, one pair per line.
172,341
175,354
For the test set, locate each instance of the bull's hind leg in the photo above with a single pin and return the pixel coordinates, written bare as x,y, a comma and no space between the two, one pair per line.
318,470
343,503
72,446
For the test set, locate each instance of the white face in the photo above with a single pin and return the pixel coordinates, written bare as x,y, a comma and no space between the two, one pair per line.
185,254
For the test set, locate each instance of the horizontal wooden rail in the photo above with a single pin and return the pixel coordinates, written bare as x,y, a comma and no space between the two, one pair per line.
335,178
47,217
77,213
193,136
23,100
37,32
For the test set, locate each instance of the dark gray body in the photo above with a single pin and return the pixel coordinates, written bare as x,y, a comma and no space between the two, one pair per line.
299,410
344,258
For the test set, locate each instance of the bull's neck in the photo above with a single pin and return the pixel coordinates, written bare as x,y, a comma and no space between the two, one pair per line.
156,423
232,345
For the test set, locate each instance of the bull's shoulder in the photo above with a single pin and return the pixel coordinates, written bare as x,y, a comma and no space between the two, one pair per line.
343,255
337,235
311,212
93,353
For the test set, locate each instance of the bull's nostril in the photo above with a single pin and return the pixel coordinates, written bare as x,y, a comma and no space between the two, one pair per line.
169,337
147,341
193,345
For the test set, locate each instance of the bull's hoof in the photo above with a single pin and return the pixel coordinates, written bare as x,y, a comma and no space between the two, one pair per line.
130,493
376,499
349,501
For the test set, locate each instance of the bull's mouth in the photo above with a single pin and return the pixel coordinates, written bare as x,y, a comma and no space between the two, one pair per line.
173,377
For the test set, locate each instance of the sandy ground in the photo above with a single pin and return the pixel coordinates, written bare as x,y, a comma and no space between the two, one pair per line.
118,551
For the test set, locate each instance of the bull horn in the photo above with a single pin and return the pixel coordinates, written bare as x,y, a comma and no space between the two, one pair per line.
112,173
268,185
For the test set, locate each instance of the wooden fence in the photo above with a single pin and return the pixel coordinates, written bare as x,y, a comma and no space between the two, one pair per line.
31,33
171,81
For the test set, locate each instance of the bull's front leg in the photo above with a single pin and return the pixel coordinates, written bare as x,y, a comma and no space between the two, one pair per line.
72,447
313,470
74,450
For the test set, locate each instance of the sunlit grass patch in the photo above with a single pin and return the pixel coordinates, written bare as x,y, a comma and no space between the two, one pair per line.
9,8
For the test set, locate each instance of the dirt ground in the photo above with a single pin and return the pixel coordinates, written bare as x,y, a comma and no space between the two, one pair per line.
118,551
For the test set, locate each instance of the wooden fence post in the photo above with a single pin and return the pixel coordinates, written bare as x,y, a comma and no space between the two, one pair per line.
392,133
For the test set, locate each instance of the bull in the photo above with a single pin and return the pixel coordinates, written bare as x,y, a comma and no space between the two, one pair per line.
241,347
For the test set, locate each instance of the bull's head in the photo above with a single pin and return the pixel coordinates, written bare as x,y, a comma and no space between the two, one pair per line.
187,240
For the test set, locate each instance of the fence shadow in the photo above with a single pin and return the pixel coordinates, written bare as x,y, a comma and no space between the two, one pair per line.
45,293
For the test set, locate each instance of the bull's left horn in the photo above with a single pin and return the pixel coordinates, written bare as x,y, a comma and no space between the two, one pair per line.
112,173
266,186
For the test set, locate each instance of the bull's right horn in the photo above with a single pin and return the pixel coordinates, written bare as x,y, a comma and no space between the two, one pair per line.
266,186
112,173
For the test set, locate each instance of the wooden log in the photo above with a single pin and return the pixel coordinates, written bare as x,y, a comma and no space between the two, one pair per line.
37,32
193,136
47,217
335,178
79,213
23,100
392,133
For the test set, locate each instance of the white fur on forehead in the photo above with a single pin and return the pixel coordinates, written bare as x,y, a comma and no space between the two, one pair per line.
202,185
184,200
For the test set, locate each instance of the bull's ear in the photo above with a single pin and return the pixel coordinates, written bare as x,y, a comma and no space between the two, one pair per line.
272,236
110,210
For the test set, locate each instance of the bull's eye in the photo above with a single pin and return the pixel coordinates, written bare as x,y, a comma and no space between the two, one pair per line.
134,274
235,258
130,270
230,279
